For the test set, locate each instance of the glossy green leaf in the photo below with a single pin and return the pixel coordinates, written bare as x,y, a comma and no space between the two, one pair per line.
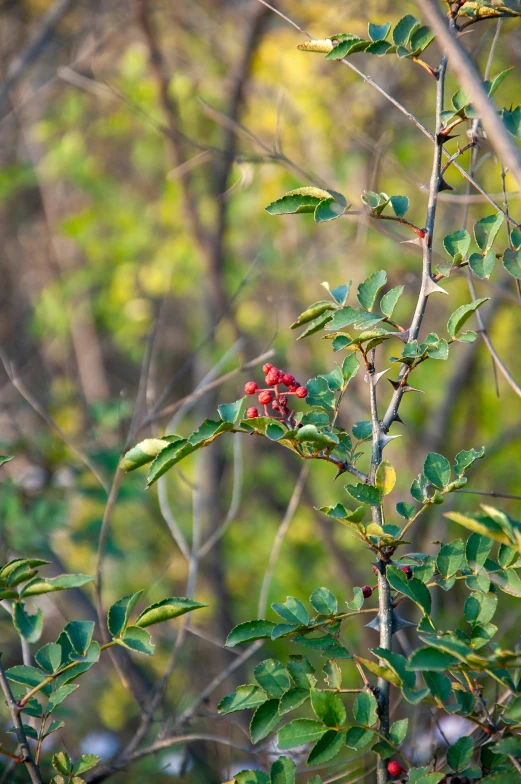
451,558
273,677
249,631
166,610
29,626
437,470
390,300
230,412
243,698
365,493
119,614
365,709
318,439
429,658
403,29
84,763
49,657
293,699
400,205
136,639
462,315
293,611
413,588
477,550
143,453
457,243
328,707
62,582
378,32
512,262
59,695
324,602
358,737
251,777
404,509
264,720
482,265
326,748
439,685
62,763
460,753
486,229
283,771
302,672
299,732
512,120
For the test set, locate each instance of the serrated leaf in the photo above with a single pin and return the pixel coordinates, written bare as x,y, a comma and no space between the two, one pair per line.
136,639
326,748
400,205
293,699
406,510
512,120
243,698
429,658
283,771
324,602
403,29
365,493
398,731
273,677
166,610
358,737
451,558
29,626
420,40
512,262
437,470
84,763
49,657
413,588
249,631
365,709
317,438
368,290
230,412
143,453
350,367
299,732
483,265
378,32
299,200
62,763
58,696
328,707
466,458
264,720
311,313
250,777
292,611
119,614
460,753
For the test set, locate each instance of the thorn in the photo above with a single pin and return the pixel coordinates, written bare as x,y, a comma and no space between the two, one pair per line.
377,376
403,336
397,623
415,241
384,440
431,288
444,186
394,384
407,388
340,471
397,418
447,138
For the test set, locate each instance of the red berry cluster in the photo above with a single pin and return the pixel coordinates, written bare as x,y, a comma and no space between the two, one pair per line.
274,378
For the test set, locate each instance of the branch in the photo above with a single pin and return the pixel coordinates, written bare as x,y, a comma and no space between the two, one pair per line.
471,82
38,43
27,758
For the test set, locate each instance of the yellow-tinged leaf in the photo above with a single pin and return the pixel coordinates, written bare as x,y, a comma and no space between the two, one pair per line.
385,477
479,528
324,45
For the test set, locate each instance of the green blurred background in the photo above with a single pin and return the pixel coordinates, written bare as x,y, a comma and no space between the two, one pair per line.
103,265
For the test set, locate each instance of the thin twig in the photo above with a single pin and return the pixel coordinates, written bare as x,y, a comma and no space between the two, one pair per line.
32,768
279,538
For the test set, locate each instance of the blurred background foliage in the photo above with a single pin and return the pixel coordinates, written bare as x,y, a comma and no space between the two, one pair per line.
102,264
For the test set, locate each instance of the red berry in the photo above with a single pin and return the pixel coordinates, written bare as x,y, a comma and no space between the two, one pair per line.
367,591
394,768
265,397
283,401
294,387
301,392
250,388
276,406
287,380
408,571
251,413
267,367
272,378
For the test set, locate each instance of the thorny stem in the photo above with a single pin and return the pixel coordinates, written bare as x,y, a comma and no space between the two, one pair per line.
26,756
434,187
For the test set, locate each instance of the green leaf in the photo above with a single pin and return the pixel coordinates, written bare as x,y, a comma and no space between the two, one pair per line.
339,293
457,243
62,582
462,315
324,602
292,611
318,309
451,558
62,763
243,698
460,753
390,300
404,509
136,639
429,658
319,439
350,367
424,776
143,453
403,30
275,432
477,550
85,762
358,737
366,494
249,631
283,771
486,229
328,707
483,265
27,676
378,32
49,657
466,458
319,393
326,205
363,430
439,685
251,777
302,672
29,626
368,290
119,614
292,699
166,610
512,262
512,121
299,732
413,588
230,412
510,745
5,459
264,720
437,470
398,731
515,238
400,205
80,635
333,674
420,40
365,709
397,664
326,748
58,696
385,477
273,677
